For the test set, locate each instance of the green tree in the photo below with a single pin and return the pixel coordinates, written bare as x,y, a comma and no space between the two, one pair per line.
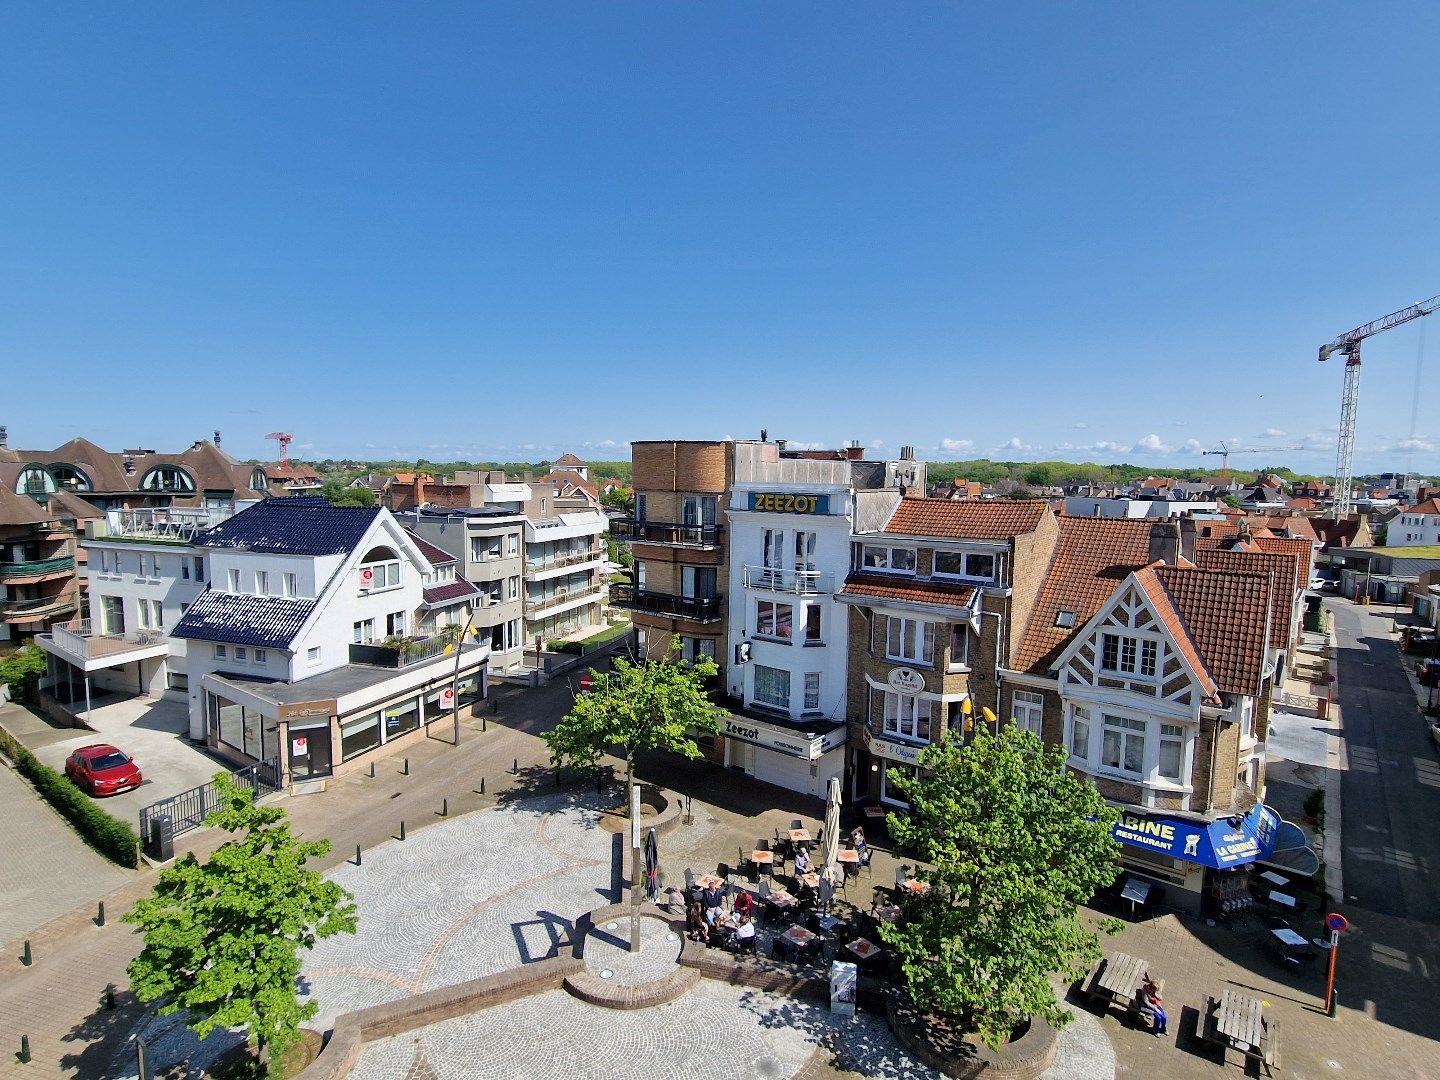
21,671
339,494
1017,842
223,937
660,705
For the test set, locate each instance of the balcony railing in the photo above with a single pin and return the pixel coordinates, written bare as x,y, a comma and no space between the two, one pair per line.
558,597
798,582
37,567
78,639
403,655
665,532
571,559
174,525
699,608
44,605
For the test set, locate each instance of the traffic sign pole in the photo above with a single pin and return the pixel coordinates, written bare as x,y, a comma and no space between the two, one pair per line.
1336,922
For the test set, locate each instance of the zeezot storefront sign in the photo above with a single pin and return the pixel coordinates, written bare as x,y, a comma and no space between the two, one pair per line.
794,743
789,502
1218,844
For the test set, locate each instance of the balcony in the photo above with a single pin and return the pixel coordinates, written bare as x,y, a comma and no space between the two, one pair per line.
78,643
406,652
561,598
161,525
795,582
671,533
698,608
22,611
560,562
38,569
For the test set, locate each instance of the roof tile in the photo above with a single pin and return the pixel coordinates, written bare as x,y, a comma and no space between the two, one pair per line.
963,520
908,589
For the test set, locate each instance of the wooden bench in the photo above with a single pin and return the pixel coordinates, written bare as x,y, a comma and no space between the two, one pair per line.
1270,1047
1092,988
1209,1029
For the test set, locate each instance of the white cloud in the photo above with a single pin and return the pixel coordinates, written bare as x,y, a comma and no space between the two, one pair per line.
1179,423
1192,446
877,444
955,446
1012,443
1081,424
1414,443
1271,433
1151,444
1063,446
1107,447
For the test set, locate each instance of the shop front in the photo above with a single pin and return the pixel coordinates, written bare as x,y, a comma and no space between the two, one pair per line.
1203,864
801,757
878,761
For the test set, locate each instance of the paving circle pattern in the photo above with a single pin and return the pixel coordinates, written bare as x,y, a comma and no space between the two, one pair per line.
608,950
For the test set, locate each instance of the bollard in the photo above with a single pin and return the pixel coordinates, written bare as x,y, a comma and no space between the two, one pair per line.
372,770
495,706
357,854
483,725
1334,1003
110,997
24,1050
405,771
516,767
25,957
100,915
444,807
482,785
402,830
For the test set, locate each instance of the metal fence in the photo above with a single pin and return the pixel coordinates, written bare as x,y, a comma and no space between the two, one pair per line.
189,809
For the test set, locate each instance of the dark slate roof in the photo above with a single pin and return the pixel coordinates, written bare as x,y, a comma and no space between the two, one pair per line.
269,622
294,525
437,556
450,592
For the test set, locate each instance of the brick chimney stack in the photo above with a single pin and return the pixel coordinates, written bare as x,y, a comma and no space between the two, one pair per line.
418,489
1165,543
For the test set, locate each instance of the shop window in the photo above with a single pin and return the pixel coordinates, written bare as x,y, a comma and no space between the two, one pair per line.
359,735
401,718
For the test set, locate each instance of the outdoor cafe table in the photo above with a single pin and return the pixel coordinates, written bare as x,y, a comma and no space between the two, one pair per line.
762,858
1237,1022
872,811
849,855
864,949
1274,878
801,940
811,879
1121,977
799,836
1137,891
781,899
709,881
887,913
1285,900
916,886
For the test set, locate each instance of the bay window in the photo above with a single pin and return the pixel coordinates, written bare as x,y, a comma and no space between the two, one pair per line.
1122,746
1080,733
907,717
1172,751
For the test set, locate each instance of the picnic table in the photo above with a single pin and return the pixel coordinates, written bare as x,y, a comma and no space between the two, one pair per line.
1235,1023
1116,979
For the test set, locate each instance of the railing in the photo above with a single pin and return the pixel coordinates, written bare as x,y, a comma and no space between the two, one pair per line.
564,560
561,596
77,639
665,532
36,566
799,582
174,525
189,809
390,656
38,606
699,608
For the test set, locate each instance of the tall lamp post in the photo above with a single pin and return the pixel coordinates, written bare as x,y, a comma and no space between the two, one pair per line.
455,675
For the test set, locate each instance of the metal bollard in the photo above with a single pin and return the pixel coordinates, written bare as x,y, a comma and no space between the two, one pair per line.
24,1054
357,854
25,957
481,789
483,725
100,915
444,807
599,783
402,830
372,770
516,767
406,770
110,996
495,706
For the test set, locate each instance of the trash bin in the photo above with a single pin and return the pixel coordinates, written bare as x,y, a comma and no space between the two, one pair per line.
844,980
162,838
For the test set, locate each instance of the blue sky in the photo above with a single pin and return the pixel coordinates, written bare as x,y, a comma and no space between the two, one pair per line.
1106,232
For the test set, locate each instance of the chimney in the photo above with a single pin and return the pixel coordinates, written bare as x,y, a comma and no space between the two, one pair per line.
781,443
418,490
4,437
907,453
855,452
217,440
1165,542
1187,539
764,434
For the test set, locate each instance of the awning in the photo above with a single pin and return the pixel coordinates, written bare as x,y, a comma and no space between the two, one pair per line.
1221,844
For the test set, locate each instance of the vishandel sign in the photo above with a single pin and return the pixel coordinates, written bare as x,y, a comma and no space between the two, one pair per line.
1218,844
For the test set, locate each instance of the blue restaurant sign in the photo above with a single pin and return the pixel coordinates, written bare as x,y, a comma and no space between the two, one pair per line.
1218,844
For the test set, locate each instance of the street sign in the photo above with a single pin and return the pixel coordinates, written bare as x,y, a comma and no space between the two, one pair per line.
447,699
586,682
1336,922
1334,939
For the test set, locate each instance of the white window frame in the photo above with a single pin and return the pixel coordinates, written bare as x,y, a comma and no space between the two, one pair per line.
882,557
386,575
312,655
907,716
1028,710
233,577
966,572
781,678
818,637
914,642
806,544
1144,651
242,654
772,549
259,656
262,582
960,658
289,583
220,652
512,544
1078,730
363,632
812,692
1126,730
768,623
1172,735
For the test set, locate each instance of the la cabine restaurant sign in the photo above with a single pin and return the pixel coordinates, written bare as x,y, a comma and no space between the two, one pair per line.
789,503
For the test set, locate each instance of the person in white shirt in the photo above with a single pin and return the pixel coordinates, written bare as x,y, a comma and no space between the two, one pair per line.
745,932
802,861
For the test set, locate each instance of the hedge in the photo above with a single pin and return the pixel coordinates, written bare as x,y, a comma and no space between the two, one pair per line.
110,836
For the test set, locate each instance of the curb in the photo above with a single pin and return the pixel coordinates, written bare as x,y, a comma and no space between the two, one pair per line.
1336,762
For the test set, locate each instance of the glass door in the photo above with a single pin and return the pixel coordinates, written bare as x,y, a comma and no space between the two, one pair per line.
310,752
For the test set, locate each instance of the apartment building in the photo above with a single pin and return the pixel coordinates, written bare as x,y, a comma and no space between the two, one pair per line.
1156,675
38,583
790,518
938,591
677,537
302,636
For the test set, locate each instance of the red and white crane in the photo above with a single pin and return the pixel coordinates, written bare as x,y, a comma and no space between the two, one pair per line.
284,438
1348,344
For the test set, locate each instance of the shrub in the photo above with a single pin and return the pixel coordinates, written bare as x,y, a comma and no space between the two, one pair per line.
21,671
575,647
111,837
1314,804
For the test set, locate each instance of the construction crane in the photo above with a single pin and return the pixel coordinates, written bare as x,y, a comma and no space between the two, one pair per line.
283,438
1224,452
1348,344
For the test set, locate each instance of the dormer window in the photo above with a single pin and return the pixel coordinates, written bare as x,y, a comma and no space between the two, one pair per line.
1124,654
974,565
70,478
379,570
897,560
167,478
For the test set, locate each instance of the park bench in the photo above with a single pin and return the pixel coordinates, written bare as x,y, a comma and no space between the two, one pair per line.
1270,1047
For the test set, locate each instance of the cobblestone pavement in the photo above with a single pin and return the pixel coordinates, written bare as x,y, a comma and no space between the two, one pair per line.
49,870
607,950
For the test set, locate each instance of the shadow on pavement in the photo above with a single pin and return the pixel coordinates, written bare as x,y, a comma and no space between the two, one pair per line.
100,1036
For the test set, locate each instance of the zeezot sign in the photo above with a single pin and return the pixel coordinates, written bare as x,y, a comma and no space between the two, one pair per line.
1218,844
789,502
798,744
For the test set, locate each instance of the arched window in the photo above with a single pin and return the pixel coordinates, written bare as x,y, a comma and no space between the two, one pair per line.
70,478
167,478
35,480
259,481
379,570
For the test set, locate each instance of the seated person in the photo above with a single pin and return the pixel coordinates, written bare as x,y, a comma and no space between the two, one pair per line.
744,903
744,934
696,928
857,837
802,860
712,900
1148,1004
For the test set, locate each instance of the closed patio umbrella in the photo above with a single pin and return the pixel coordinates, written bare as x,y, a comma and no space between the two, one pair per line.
830,851
652,865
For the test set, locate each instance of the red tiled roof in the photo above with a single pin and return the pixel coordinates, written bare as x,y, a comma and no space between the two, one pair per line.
1093,556
1429,506
451,590
995,520
567,461
1336,533
1206,530
1153,587
1302,551
1277,566
911,590
437,556
1223,616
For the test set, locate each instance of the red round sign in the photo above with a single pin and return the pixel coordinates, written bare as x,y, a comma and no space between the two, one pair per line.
447,699
586,682
367,578
1336,921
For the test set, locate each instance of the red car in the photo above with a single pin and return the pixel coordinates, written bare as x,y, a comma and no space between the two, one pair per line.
103,769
